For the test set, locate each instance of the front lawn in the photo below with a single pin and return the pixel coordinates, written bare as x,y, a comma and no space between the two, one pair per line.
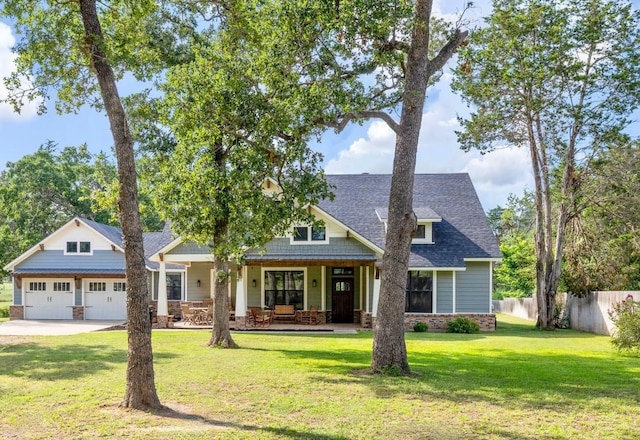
518,383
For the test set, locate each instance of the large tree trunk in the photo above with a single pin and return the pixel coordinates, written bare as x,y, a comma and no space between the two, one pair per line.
389,348
140,392
220,333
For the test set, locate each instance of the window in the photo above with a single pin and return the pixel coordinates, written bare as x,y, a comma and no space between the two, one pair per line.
342,271
119,286
59,286
97,287
419,291
420,233
309,233
75,247
37,286
284,287
301,233
174,287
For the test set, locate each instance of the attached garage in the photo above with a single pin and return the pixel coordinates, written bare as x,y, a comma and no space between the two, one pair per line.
105,298
46,298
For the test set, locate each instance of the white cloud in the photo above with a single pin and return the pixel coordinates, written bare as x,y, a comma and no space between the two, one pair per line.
7,67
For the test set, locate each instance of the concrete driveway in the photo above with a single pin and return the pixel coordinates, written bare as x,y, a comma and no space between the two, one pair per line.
52,327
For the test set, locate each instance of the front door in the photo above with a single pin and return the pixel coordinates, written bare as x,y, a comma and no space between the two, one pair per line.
342,300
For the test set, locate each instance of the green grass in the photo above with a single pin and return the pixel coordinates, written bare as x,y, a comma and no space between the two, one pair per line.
5,300
518,383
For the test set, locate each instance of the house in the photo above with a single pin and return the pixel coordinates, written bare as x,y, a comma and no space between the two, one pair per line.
78,272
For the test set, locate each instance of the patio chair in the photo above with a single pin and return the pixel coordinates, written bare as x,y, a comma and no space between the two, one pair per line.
187,315
310,316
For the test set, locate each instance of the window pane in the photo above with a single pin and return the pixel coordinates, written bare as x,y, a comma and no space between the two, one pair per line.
419,291
301,233
85,247
342,271
174,287
420,232
318,234
284,287
72,246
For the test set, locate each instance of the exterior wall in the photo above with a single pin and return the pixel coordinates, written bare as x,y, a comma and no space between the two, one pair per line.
327,277
202,272
314,294
17,294
444,300
78,298
253,293
56,259
472,288
372,275
438,322
189,248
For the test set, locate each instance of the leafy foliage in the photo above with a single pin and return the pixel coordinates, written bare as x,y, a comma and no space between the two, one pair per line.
560,79
420,327
626,317
462,325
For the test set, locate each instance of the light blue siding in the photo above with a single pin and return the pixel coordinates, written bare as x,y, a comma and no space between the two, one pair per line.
17,295
444,301
56,260
472,288
78,296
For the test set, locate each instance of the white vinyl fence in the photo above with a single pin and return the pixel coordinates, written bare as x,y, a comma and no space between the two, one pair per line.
588,314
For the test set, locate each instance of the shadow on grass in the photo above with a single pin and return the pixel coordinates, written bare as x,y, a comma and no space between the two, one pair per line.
283,432
508,377
42,362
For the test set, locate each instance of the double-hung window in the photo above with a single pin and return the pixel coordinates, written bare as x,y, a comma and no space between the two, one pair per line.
419,291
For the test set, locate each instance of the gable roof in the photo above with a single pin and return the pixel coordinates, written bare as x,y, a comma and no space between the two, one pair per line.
463,233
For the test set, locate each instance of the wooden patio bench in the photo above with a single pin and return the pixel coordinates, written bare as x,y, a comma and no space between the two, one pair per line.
284,312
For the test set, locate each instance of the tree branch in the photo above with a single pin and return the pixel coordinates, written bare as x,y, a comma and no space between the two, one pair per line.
340,124
446,52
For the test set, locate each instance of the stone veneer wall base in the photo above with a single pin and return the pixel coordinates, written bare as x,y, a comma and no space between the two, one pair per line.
438,322
16,312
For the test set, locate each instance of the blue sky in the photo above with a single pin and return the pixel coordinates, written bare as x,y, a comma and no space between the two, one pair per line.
358,149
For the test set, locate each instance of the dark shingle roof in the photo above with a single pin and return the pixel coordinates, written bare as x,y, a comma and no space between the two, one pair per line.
464,231
110,232
152,241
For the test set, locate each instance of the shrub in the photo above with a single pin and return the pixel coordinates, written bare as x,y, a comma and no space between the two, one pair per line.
4,312
420,327
462,325
626,317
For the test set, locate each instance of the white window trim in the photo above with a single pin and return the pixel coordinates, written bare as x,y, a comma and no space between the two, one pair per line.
78,247
428,231
308,241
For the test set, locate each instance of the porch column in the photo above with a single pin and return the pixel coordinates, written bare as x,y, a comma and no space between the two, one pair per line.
241,293
376,293
163,307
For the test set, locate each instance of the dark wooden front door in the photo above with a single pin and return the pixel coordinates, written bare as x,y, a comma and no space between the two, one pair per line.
342,300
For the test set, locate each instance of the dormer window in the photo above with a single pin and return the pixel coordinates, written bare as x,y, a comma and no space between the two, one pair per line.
423,233
309,234
78,247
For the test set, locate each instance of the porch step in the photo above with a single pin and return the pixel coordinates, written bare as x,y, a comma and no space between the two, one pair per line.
346,331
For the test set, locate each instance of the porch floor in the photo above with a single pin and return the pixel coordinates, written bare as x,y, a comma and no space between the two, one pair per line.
282,327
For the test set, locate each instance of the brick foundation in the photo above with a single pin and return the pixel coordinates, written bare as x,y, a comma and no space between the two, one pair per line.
438,322
78,313
16,312
163,321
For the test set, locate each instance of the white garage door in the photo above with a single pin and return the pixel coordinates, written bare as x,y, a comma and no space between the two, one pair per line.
48,298
105,299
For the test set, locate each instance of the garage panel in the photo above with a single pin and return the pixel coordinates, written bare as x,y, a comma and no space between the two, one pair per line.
105,298
48,298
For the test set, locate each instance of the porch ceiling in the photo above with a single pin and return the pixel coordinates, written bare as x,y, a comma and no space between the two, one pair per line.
309,262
